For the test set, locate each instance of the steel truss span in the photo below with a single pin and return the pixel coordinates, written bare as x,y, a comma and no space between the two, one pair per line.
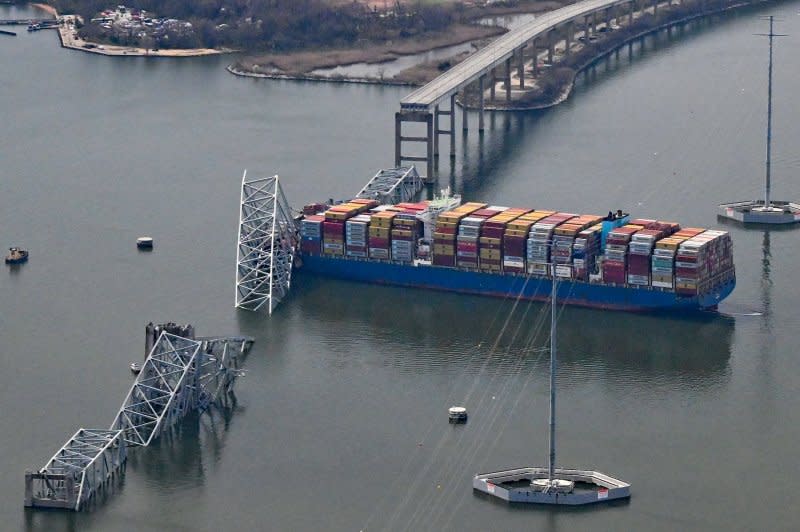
267,243
83,466
179,375
393,186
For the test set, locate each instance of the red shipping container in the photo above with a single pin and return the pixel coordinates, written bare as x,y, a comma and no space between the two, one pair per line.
334,228
375,242
312,247
492,232
444,260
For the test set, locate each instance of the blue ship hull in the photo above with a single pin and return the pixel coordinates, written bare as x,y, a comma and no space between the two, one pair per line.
572,292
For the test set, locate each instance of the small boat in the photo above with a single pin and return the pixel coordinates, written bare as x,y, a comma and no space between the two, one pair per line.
135,368
144,242
457,414
16,256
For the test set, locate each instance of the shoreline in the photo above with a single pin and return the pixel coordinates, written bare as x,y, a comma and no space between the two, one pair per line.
68,36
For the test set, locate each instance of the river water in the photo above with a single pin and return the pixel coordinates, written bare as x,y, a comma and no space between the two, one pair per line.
341,418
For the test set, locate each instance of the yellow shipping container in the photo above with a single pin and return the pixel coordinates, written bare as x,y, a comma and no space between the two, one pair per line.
490,240
402,232
444,236
441,249
379,232
491,254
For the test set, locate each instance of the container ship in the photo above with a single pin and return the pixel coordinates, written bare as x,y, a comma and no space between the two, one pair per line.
610,262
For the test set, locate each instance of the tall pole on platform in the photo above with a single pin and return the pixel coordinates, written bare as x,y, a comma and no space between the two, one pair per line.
552,462
769,117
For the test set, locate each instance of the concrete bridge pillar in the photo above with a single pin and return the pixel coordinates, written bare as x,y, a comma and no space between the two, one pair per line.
419,117
464,114
492,84
608,18
568,36
508,79
451,130
551,45
521,67
436,131
587,27
481,81
452,126
535,57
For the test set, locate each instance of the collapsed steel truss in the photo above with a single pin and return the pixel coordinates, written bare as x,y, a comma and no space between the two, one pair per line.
393,186
89,460
179,375
165,390
267,242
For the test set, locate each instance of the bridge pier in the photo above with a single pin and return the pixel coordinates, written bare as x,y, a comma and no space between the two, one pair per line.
481,103
551,45
451,130
508,79
568,37
521,67
535,57
492,84
414,117
464,114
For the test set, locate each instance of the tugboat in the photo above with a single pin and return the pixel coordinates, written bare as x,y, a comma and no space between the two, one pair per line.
135,368
16,256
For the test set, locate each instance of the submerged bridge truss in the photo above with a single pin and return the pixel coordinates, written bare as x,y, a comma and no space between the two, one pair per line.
179,375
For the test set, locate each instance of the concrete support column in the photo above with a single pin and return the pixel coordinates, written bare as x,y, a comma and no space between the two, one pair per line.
464,115
398,138
521,67
429,150
481,103
594,23
452,125
568,38
535,57
550,46
587,31
508,79
436,131
492,84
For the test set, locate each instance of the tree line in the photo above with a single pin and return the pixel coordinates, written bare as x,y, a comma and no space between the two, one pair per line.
276,25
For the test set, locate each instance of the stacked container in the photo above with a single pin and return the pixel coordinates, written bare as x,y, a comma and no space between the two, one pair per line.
491,239
405,231
356,231
585,251
467,241
662,266
380,227
539,242
311,234
563,241
444,236
702,262
615,259
639,251
515,240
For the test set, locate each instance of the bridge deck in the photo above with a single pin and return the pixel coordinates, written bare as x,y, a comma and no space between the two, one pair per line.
497,52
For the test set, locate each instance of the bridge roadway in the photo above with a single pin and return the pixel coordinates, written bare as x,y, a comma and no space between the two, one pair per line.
494,62
499,51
